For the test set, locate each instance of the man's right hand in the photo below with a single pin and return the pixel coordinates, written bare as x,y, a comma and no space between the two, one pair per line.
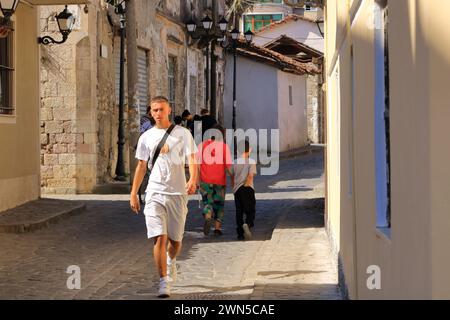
134,203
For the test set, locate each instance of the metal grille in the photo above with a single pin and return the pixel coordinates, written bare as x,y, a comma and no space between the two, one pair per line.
142,65
6,75
117,68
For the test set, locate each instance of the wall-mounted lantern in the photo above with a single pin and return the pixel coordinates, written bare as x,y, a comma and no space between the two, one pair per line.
8,8
66,21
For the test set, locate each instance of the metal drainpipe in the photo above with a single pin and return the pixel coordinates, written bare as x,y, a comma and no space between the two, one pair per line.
120,169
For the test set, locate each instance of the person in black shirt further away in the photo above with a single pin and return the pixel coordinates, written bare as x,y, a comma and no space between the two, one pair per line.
178,120
189,118
207,120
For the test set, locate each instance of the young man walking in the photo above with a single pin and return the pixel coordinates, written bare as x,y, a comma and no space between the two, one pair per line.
166,199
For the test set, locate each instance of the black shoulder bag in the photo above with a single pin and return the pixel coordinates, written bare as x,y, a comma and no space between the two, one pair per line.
155,157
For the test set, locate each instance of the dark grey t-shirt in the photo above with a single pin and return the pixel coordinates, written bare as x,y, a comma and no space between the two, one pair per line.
242,168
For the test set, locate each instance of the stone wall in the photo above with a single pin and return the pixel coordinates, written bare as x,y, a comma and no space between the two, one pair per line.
107,116
78,113
79,105
59,137
314,109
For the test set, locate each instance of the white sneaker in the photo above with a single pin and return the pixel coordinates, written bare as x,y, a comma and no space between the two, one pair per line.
172,271
247,232
164,288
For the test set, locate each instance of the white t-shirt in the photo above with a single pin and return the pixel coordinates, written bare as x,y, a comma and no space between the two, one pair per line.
168,175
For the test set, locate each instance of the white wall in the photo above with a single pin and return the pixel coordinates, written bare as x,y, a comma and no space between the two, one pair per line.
292,118
263,101
303,31
257,96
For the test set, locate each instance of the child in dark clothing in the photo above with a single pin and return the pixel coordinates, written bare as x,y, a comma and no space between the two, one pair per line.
244,170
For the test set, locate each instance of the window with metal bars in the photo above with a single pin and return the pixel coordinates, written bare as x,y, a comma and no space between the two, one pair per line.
6,75
382,116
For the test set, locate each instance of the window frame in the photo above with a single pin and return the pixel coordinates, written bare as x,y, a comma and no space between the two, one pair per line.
309,8
382,117
9,69
253,20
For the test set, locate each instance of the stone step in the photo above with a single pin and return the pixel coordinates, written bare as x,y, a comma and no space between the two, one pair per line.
38,214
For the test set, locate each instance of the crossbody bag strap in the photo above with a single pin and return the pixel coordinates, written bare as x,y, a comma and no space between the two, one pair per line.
161,144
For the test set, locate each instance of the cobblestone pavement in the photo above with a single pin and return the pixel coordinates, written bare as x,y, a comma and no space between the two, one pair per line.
109,245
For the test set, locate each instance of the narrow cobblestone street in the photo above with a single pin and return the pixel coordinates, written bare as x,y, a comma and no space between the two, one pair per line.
288,257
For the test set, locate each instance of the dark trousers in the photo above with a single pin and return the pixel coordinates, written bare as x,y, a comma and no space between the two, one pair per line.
245,202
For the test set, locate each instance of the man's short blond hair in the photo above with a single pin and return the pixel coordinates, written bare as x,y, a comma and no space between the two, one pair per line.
160,99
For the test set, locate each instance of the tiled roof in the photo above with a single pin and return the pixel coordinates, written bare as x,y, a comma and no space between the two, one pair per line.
288,41
276,59
287,19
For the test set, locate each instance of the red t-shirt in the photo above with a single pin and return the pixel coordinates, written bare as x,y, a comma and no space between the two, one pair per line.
214,157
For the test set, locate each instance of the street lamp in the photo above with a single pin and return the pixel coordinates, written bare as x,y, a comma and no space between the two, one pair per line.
223,24
207,23
222,37
191,26
248,36
120,168
66,21
235,35
208,33
8,8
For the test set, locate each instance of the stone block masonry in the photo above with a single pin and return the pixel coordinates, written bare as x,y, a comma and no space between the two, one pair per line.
72,80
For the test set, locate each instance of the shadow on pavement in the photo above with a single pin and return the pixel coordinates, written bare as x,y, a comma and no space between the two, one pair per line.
286,274
297,291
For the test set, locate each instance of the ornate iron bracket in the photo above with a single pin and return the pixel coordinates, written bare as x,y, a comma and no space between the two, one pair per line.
49,40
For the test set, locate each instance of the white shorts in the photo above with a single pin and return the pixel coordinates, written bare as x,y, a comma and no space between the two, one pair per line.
165,214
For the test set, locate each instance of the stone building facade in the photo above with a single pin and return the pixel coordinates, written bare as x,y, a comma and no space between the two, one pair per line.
80,87
74,96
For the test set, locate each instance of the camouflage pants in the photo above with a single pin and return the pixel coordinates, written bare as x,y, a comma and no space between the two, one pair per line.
213,197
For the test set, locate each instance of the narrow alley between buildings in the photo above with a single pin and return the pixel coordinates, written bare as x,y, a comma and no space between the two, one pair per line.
288,257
